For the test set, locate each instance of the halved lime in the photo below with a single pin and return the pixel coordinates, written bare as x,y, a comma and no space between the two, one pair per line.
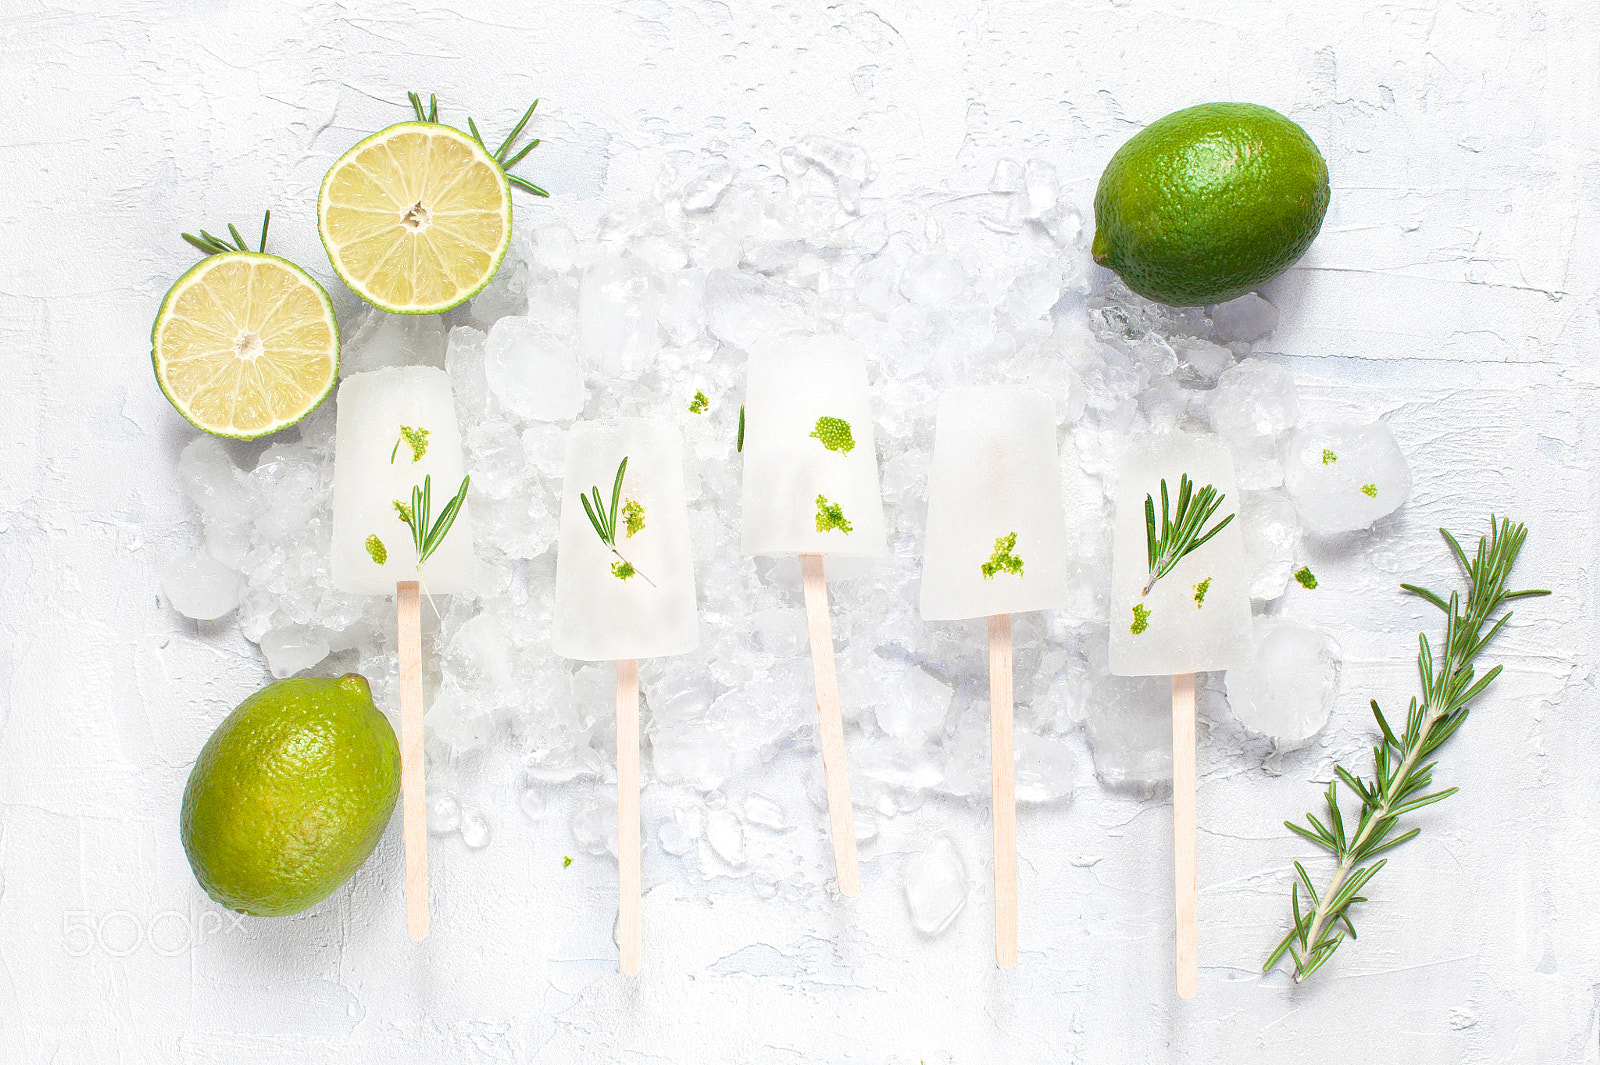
415,218
245,344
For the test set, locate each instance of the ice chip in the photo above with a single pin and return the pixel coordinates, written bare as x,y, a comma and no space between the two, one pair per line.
291,649
997,530
702,192
810,456
1286,689
1253,398
840,160
725,834
745,309
1247,318
384,339
617,316
1196,616
935,886
214,484
397,430
636,597
200,587
1345,477
532,372
1269,530
1130,730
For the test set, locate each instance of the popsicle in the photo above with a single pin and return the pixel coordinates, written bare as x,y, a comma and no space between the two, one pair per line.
1180,605
400,525
625,591
996,545
811,489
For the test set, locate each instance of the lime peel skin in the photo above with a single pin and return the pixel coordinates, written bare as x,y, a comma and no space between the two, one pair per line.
1209,203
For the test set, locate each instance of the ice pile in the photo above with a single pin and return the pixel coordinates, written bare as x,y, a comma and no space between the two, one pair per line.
660,303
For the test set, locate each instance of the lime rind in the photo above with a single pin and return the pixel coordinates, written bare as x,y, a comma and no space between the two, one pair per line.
1209,203
164,314
335,258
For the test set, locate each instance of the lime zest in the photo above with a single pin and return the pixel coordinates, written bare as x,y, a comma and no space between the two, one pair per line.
1305,577
633,517
830,516
1141,619
1004,560
1328,457
835,434
375,548
1200,591
700,403
414,438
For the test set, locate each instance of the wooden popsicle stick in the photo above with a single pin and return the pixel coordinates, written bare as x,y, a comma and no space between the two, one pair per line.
630,936
1003,797
842,822
1183,835
413,788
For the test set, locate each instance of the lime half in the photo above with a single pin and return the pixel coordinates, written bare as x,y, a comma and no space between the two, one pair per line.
245,344
415,218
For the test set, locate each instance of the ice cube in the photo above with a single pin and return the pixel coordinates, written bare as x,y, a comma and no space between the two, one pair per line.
837,158
935,885
1204,360
744,309
1046,768
594,827
200,587
1130,729
760,810
1253,398
1269,530
1248,318
725,833
214,484
702,192
291,649
555,249
1040,186
532,372
1344,477
913,704
932,280
1287,688
444,815
474,829
1008,176
617,316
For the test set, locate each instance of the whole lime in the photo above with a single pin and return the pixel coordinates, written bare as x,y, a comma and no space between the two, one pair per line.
290,795
1209,203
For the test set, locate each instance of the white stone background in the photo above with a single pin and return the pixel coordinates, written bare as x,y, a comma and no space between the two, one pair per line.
1452,292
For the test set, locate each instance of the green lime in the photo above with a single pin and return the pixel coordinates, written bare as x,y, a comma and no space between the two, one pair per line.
1209,203
290,795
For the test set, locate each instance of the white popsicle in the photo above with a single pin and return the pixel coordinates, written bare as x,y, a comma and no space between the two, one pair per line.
374,466
996,545
397,434
1191,617
625,591
810,489
1184,630
808,436
600,617
995,475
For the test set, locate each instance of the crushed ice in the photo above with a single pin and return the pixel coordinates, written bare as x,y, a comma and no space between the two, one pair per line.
657,305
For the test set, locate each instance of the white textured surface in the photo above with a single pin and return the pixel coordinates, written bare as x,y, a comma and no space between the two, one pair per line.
1452,292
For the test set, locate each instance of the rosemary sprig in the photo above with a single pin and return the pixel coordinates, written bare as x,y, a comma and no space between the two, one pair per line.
426,536
1180,530
431,114
217,246
1402,779
605,523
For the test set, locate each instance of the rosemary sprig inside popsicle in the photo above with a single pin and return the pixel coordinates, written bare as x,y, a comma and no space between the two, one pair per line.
1179,532
604,520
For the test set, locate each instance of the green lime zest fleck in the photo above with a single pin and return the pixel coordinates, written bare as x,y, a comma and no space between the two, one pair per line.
403,509
835,434
831,516
622,570
375,548
633,517
566,860
1328,457
1200,591
1141,619
700,403
1305,577
1370,491
414,438
1003,560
